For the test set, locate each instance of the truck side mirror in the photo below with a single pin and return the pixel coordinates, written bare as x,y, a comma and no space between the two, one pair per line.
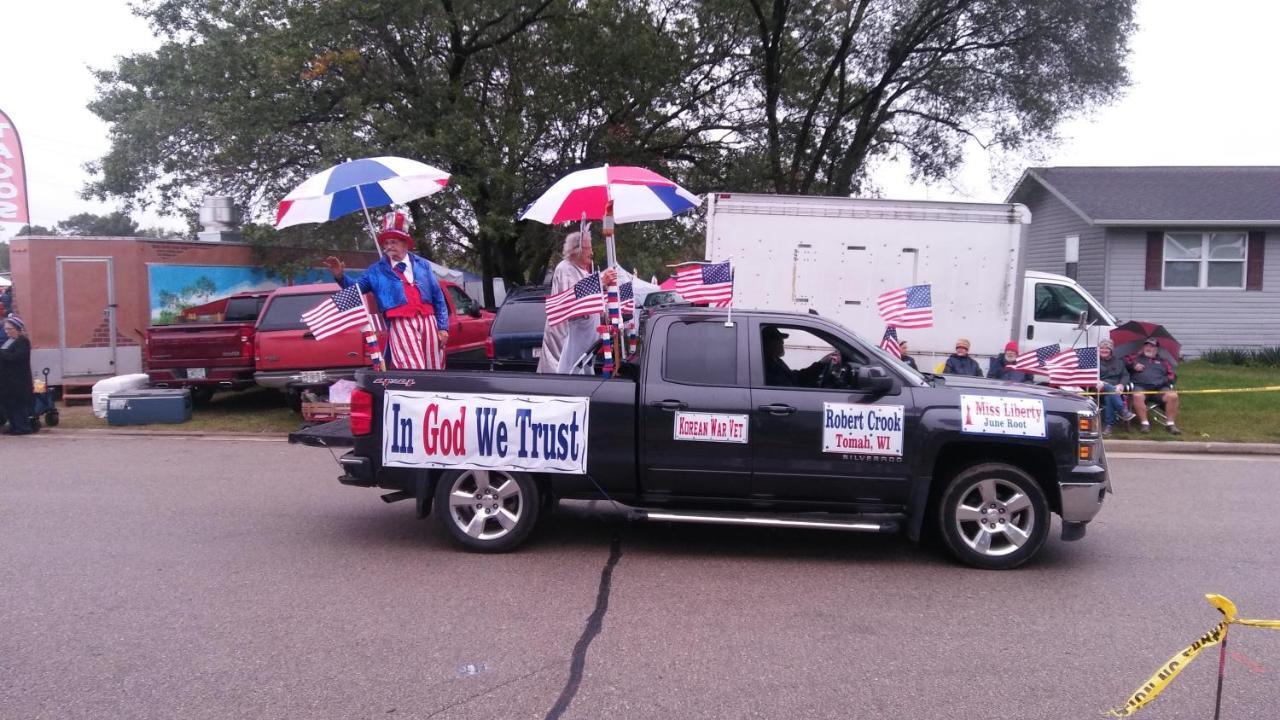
473,311
873,379
1082,323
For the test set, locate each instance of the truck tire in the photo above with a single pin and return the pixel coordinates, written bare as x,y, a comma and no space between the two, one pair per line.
993,516
487,510
201,396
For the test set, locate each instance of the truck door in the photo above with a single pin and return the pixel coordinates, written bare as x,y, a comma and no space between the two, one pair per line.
1051,314
694,411
814,437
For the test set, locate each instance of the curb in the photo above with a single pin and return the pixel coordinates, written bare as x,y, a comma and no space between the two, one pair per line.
91,432
1193,447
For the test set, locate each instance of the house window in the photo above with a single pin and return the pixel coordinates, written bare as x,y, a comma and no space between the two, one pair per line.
1205,260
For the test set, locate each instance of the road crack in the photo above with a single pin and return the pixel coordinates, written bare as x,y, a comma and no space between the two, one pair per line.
595,622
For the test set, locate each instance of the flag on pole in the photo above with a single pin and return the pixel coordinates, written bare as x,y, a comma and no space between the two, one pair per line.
627,296
1033,361
1077,366
586,297
340,311
910,307
890,342
710,283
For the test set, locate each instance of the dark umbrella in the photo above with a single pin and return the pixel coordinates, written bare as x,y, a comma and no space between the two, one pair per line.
1130,337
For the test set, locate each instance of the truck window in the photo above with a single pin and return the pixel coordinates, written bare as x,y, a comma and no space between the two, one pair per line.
701,353
521,316
462,302
285,312
1061,304
798,357
244,309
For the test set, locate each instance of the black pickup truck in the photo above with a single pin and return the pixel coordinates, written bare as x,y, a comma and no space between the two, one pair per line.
779,419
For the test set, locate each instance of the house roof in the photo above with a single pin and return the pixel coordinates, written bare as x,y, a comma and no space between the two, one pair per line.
1163,195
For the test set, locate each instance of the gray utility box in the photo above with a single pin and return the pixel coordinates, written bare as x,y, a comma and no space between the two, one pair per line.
144,407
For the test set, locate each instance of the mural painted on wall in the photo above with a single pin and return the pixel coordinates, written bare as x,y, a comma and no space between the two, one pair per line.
186,293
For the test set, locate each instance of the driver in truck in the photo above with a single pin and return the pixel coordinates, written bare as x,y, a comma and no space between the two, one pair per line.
778,374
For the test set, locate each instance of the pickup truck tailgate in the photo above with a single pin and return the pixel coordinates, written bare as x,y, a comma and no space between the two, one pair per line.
203,345
336,434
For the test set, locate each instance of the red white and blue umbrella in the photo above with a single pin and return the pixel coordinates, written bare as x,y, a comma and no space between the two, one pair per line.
637,194
359,185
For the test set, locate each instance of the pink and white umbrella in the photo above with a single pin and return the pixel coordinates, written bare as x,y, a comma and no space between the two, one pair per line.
359,185
637,194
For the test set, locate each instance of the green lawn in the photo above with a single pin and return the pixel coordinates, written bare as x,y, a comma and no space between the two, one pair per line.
1234,417
256,411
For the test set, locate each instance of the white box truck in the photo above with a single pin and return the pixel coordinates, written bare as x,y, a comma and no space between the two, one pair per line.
836,255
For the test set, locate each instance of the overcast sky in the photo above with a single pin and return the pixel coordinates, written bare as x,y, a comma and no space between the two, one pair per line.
1201,73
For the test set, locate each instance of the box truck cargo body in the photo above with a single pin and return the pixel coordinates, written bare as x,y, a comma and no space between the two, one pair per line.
835,256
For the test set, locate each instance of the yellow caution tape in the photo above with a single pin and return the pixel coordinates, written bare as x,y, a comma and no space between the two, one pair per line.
1211,391
1176,664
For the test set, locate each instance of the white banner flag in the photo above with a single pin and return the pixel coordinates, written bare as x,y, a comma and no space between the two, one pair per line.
466,431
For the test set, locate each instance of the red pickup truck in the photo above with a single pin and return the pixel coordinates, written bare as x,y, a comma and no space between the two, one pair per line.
206,356
290,359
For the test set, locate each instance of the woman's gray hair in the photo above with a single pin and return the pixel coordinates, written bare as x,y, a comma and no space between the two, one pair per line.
572,244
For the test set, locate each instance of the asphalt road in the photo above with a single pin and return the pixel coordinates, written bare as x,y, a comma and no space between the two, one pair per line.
181,578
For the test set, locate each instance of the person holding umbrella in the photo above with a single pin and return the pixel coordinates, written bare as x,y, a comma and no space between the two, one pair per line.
1151,373
408,296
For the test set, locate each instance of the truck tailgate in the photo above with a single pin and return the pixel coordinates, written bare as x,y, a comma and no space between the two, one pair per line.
331,434
205,345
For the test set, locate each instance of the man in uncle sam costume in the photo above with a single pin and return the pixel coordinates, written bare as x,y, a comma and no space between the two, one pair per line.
409,298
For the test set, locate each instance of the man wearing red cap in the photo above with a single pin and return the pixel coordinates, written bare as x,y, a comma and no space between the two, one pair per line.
1001,366
408,296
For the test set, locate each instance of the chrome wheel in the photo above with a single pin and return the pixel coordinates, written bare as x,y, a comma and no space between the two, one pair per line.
994,517
486,505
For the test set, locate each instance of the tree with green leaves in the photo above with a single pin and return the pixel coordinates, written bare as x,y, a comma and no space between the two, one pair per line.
249,98
843,84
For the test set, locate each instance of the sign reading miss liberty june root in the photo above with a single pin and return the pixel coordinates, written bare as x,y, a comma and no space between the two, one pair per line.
465,431
994,415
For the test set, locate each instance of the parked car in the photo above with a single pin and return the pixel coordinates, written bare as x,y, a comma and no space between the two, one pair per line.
289,358
515,340
206,356
703,428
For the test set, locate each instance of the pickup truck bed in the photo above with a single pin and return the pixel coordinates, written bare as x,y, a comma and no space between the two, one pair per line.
705,425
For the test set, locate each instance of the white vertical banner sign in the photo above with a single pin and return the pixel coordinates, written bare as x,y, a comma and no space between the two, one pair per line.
472,431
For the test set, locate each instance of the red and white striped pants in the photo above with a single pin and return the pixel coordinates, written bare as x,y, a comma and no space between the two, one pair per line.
415,344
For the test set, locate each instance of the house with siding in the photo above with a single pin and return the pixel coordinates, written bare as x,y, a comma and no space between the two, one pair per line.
1186,247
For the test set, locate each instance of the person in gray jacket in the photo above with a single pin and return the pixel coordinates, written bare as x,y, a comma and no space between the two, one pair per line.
1113,376
1151,373
959,362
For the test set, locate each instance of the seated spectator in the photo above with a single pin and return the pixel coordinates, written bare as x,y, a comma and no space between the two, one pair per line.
1151,373
1112,377
1001,366
959,362
906,358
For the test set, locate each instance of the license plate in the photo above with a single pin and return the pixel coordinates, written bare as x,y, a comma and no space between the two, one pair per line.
313,376
195,373
537,352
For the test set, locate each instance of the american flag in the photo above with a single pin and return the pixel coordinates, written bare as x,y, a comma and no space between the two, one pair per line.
1034,360
890,342
340,311
910,307
1077,366
586,297
710,283
627,298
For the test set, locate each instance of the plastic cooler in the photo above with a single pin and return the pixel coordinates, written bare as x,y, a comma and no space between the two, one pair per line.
120,383
145,407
